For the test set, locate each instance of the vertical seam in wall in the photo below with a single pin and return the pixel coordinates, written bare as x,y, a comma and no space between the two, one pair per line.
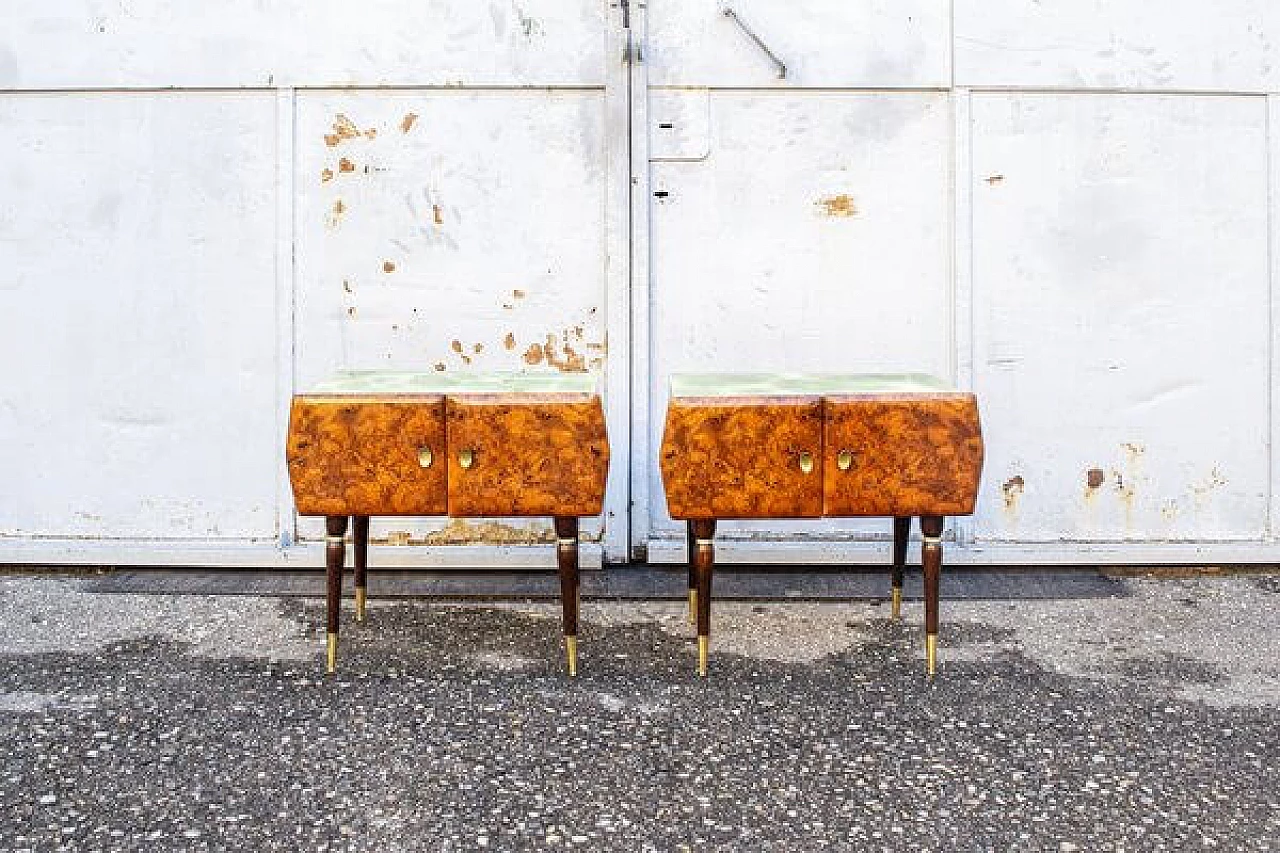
1272,103
286,213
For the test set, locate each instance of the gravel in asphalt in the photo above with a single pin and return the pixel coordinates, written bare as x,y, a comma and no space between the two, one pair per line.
1145,721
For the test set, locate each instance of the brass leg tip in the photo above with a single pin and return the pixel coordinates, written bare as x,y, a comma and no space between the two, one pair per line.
333,653
931,654
704,647
895,610
361,598
693,606
571,652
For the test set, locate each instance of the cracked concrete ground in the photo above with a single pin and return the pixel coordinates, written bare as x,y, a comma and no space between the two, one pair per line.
1145,721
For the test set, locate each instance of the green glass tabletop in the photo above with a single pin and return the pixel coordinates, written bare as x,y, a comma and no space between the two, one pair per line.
407,382
802,384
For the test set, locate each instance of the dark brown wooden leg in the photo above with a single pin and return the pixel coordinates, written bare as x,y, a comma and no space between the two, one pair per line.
335,553
693,574
901,533
360,537
931,530
704,557
567,556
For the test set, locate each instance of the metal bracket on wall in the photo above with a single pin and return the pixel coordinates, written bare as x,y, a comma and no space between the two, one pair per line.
733,16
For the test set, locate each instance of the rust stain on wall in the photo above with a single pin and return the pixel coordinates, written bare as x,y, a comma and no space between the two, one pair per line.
1013,489
509,341
838,205
406,123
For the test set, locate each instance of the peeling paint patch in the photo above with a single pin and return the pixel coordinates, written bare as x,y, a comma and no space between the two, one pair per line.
440,366
437,216
335,214
343,129
509,341
388,267
477,348
1013,489
456,346
326,175
1095,477
838,205
462,532
406,123
992,180
345,165
518,294
533,355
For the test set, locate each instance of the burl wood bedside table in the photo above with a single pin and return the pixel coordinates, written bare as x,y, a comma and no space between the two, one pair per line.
388,443
774,446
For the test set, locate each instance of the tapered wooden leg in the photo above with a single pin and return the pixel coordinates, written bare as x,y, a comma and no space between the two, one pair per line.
335,553
704,558
360,538
567,556
901,533
931,530
693,574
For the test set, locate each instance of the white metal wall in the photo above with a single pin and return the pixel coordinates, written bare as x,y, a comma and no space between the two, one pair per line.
1069,207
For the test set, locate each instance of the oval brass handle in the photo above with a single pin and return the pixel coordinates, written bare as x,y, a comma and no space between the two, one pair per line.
806,462
845,460
466,458
425,457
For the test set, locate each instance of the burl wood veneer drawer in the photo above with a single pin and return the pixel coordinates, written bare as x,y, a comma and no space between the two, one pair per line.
353,456
743,458
522,455
901,455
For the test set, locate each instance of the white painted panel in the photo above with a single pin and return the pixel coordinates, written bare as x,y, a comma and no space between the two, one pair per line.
233,43
1230,45
137,316
822,43
815,236
451,230
1121,309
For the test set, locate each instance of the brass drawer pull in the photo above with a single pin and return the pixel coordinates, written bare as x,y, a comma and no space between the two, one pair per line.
845,460
425,457
806,462
466,458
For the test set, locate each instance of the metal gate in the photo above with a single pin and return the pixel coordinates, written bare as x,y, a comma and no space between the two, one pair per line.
1071,210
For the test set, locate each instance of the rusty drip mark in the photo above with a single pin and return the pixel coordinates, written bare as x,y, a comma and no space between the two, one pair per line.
1013,489
345,165
406,124
326,176
388,267
343,129
1095,478
995,179
437,215
509,341
838,205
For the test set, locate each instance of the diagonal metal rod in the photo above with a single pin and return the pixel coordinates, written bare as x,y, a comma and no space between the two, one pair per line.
782,67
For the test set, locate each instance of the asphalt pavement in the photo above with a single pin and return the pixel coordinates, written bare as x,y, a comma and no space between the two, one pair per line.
1144,720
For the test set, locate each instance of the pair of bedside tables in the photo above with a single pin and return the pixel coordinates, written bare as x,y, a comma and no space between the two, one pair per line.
734,447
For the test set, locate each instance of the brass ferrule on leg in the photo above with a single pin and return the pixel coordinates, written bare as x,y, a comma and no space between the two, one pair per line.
361,598
704,646
333,653
571,652
931,654
693,606
895,609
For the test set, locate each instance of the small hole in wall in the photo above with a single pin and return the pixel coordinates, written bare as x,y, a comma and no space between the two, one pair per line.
662,193
665,125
